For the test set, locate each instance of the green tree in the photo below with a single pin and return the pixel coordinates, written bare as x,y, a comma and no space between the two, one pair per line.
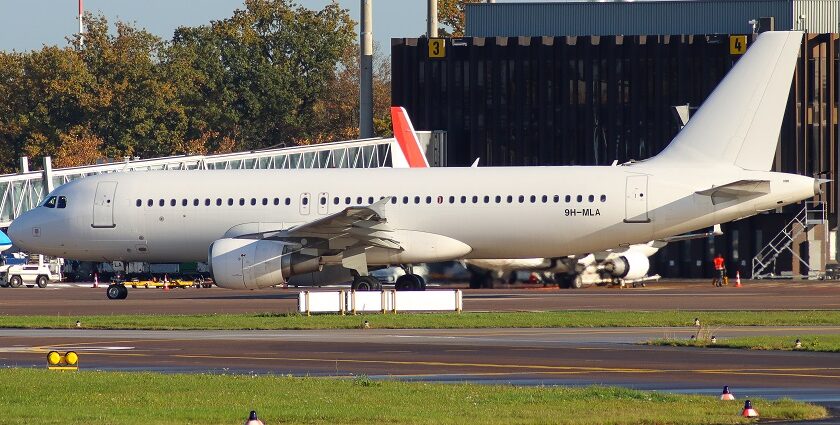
262,72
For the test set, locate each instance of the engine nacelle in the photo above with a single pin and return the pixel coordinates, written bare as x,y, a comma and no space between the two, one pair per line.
629,265
255,264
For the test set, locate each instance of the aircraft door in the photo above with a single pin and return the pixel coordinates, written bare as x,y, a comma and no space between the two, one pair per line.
103,205
636,200
304,203
323,203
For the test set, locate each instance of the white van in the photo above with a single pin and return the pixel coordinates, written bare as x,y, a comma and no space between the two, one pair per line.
30,275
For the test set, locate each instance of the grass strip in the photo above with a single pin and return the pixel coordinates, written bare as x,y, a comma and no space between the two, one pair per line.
823,343
85,397
551,319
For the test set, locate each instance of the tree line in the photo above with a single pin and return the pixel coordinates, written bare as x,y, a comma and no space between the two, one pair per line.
272,74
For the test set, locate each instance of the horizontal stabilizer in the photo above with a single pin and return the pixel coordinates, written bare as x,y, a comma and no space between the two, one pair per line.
737,189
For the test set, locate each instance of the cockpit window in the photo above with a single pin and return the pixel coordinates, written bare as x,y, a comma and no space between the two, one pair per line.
62,202
50,202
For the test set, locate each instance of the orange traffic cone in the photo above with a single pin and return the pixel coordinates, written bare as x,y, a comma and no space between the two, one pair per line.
252,419
165,283
726,395
749,412
95,280
738,279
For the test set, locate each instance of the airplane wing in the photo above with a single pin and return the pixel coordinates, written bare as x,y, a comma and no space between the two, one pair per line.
736,189
357,226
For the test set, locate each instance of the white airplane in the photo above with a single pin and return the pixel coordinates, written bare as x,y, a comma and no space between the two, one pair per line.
257,228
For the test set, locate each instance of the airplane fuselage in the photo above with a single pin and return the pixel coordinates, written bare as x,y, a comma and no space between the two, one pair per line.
516,212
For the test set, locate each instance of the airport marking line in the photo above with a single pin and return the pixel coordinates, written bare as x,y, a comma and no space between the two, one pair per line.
778,372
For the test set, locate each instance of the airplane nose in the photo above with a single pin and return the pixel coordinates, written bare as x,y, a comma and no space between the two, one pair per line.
20,232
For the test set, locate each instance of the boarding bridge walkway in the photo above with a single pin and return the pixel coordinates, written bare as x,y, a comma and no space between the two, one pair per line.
23,191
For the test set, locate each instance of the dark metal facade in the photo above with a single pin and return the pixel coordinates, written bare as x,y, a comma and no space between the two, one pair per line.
594,100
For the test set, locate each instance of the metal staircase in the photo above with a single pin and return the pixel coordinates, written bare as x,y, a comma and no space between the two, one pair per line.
812,214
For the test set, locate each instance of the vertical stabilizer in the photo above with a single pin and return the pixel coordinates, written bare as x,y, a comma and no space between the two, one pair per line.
739,122
407,138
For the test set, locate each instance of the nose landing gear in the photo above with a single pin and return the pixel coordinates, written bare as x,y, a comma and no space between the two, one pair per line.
116,292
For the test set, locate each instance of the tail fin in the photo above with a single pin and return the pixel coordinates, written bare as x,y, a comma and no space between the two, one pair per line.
739,122
407,138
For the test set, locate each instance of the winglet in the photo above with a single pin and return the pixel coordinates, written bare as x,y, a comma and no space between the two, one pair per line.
407,138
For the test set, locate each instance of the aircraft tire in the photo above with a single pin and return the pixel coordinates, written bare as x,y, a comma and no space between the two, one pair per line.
564,281
366,283
576,282
410,282
42,281
116,292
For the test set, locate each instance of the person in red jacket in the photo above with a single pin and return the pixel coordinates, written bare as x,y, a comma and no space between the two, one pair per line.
720,271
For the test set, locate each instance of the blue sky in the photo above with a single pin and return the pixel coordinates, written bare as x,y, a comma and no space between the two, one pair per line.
30,24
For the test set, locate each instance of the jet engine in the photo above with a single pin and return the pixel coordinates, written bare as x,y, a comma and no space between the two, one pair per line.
629,265
255,264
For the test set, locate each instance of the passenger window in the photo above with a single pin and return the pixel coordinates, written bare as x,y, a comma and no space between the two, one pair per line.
498,199
370,200
241,201
276,201
521,198
335,200
139,203
184,202
347,200
230,202
359,200
568,198
62,202
265,201
603,198
451,199
475,199
288,201
486,199
172,202
50,202
509,199
394,199
463,199
591,198
428,199
219,201
405,199
545,198
253,201
195,202
416,199
556,198
150,203
580,198
305,201
206,202
323,200
533,198
162,202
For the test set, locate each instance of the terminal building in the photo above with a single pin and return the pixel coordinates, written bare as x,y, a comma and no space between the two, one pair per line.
590,83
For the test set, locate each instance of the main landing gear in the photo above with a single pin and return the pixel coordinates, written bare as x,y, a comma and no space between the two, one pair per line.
366,283
410,282
117,292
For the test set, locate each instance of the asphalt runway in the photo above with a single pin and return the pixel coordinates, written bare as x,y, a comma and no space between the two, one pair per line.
609,356
80,299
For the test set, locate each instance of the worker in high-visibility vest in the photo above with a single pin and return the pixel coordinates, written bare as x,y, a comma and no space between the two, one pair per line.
720,271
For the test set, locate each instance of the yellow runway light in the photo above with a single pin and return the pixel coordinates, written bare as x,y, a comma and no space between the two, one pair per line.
53,358
71,358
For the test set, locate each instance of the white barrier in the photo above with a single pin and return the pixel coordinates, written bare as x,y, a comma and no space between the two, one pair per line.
379,301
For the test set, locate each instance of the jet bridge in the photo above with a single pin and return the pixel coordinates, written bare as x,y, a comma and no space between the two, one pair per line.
23,191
